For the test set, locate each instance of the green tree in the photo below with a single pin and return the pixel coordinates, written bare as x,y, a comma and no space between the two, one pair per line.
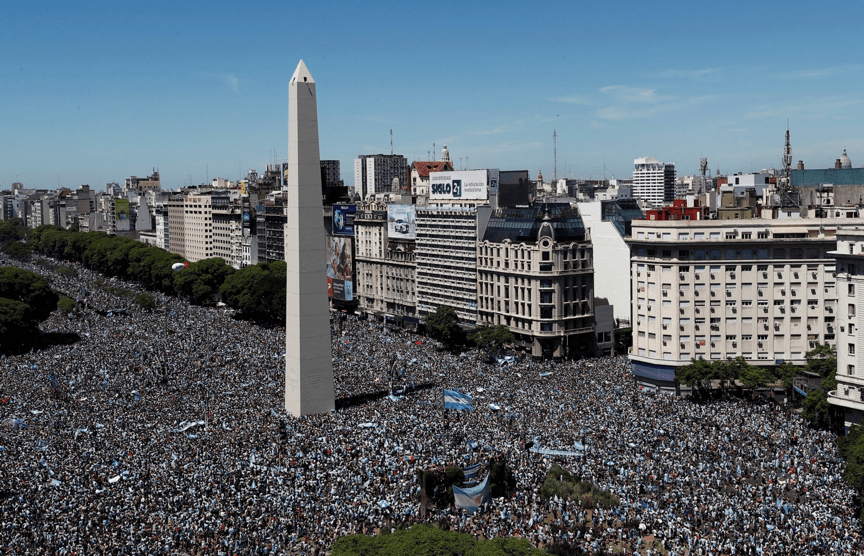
26,299
443,325
851,449
822,360
16,249
66,304
752,377
257,291
786,373
423,540
491,338
201,281
12,230
697,374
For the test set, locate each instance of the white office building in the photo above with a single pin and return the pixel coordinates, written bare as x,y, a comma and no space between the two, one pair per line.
849,257
718,289
653,181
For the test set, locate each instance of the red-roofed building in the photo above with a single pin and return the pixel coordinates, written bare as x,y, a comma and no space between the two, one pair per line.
678,211
418,174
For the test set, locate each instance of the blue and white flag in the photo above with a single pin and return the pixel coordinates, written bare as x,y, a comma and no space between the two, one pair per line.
472,497
457,400
471,472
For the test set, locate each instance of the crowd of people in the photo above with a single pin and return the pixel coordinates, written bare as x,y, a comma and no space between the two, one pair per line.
164,432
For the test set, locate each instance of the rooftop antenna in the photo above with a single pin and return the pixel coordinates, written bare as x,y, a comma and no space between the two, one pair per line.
391,142
703,167
555,156
787,156
460,162
466,162
434,152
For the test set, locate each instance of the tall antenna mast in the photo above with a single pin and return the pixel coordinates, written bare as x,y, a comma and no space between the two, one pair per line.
787,158
434,152
391,142
703,167
555,156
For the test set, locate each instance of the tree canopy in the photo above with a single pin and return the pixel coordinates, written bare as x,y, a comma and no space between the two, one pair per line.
443,325
26,299
488,337
200,282
257,291
851,449
422,540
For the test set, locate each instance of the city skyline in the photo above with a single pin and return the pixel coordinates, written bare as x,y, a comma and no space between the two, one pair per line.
198,91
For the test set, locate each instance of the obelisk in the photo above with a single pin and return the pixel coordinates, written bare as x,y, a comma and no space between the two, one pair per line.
308,363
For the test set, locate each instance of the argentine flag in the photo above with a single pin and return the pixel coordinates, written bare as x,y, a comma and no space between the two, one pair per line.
457,400
472,497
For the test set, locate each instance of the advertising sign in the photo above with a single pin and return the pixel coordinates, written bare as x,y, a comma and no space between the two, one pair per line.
343,219
401,222
469,184
340,283
121,214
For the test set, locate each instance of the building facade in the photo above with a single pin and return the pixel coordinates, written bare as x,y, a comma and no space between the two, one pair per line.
385,270
535,276
718,289
177,224
653,181
446,255
374,173
849,257
198,227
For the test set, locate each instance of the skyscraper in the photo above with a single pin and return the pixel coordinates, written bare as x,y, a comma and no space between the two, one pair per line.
653,181
374,173
308,363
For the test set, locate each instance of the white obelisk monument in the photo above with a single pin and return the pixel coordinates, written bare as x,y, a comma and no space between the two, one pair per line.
308,362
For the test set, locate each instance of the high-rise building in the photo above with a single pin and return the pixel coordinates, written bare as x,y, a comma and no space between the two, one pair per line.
177,224
374,173
653,181
446,255
718,289
849,395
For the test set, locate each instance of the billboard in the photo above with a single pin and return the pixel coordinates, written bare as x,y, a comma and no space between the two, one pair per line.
340,282
121,214
455,186
343,219
401,222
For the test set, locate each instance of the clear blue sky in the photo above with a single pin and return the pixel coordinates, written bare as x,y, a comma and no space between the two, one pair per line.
95,92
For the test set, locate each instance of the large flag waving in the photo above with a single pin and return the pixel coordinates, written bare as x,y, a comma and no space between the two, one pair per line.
457,400
472,497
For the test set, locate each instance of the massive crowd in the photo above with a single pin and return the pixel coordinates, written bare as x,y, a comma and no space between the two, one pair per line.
165,433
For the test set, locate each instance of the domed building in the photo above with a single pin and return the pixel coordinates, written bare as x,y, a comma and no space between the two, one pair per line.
845,163
535,275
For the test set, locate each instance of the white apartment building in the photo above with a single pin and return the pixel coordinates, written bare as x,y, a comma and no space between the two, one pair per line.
849,257
446,255
177,225
718,289
198,213
163,234
653,181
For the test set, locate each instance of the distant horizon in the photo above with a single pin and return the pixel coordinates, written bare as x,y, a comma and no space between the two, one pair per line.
210,99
